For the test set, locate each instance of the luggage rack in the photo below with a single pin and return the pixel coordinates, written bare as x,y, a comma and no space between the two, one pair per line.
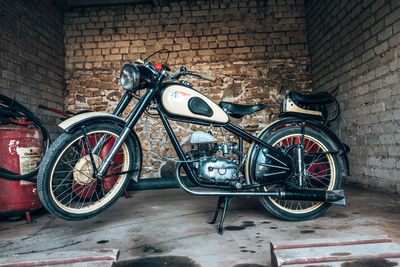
321,106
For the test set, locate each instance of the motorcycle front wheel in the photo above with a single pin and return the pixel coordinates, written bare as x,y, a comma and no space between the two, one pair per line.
322,172
66,184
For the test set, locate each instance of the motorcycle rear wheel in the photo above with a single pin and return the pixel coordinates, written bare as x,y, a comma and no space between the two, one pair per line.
65,182
322,173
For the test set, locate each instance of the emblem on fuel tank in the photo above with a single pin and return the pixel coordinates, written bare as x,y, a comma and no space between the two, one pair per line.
177,94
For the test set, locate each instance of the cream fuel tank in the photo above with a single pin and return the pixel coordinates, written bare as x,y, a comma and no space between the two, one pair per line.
182,101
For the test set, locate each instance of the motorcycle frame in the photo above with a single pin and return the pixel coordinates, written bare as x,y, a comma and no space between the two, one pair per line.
151,96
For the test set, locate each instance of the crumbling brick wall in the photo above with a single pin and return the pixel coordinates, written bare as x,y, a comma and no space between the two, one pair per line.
253,47
32,56
355,45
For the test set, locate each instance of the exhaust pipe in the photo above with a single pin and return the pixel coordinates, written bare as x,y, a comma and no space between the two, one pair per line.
157,183
329,196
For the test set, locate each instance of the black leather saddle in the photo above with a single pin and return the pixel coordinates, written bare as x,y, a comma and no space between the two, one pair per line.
238,111
321,98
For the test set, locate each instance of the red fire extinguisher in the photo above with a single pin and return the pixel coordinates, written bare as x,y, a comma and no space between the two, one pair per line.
20,152
23,141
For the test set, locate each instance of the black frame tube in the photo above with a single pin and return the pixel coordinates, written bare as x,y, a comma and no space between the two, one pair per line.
239,132
126,99
179,151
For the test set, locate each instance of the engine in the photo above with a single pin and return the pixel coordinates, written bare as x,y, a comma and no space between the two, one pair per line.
211,167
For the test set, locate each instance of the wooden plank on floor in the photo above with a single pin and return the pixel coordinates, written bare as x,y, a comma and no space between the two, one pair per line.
98,258
328,252
321,242
355,263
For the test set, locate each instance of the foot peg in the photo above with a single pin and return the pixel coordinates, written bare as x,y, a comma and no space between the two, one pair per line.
225,201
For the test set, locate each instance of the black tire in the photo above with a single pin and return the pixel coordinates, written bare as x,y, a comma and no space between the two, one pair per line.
323,173
65,184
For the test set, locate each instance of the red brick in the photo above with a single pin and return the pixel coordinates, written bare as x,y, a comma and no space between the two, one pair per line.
115,37
94,58
124,50
115,51
241,50
206,52
106,44
122,44
90,32
212,45
105,51
113,57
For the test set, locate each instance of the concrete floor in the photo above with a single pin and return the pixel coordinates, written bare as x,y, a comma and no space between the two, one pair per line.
169,226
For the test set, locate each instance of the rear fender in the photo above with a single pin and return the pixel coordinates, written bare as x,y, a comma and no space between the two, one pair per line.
317,126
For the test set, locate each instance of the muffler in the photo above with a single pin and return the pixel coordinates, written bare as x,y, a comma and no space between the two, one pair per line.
329,196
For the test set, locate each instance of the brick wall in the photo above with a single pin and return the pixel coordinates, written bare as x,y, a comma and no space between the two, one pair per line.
356,45
251,46
32,56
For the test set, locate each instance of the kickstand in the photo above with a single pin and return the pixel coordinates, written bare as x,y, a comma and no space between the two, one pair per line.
225,200
126,193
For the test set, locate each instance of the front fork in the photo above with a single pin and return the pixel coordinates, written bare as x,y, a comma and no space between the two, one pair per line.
130,123
300,157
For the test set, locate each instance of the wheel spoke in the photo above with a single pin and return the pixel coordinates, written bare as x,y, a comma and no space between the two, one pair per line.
76,170
62,182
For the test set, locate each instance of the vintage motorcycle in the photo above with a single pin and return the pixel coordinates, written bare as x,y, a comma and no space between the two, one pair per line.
294,166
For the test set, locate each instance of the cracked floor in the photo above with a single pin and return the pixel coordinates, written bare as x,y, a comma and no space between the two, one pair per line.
171,226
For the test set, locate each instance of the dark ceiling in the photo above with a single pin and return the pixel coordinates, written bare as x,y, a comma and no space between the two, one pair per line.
68,4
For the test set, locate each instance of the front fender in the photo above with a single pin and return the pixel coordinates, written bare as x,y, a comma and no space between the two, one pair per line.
76,122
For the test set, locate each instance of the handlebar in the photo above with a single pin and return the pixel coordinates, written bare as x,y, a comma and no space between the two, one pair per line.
206,77
162,68
177,75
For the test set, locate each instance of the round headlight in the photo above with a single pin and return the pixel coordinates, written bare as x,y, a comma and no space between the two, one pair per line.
129,77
